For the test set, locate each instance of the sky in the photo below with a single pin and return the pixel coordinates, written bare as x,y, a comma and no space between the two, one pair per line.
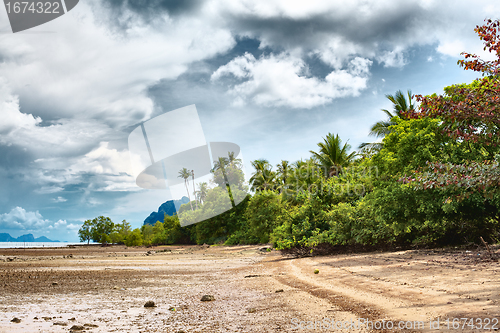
272,76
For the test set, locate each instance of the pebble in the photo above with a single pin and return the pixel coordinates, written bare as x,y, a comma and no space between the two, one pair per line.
150,304
207,298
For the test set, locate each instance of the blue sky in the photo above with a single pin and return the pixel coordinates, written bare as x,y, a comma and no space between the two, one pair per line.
274,77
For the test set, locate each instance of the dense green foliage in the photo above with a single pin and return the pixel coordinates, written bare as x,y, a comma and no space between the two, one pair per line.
432,180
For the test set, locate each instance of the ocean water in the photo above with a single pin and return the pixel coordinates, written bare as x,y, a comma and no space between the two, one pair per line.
6,245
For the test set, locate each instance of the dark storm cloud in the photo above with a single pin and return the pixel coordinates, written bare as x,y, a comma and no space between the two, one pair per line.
382,27
127,13
148,8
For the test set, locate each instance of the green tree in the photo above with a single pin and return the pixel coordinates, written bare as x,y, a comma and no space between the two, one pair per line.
121,232
380,129
85,231
134,238
184,173
201,194
174,234
283,173
147,234
101,225
159,236
332,155
263,177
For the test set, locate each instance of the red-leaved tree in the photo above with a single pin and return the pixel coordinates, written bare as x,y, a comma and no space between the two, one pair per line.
470,114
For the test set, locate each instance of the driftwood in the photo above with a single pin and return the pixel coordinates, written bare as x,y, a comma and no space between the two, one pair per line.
488,248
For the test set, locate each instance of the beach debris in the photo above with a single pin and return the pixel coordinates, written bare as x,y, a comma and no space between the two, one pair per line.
116,287
15,320
279,291
251,310
60,323
77,328
72,319
55,283
251,276
150,304
316,271
171,308
265,249
207,298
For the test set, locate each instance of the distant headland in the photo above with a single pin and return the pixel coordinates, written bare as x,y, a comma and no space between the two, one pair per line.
5,237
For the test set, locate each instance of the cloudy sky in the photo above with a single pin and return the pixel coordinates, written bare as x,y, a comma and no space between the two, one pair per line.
273,77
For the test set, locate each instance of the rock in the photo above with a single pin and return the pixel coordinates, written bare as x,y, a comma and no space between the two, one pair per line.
60,323
11,259
116,287
251,276
35,318
72,319
150,304
265,249
77,328
316,271
171,308
55,283
207,298
251,310
279,291
91,325
15,320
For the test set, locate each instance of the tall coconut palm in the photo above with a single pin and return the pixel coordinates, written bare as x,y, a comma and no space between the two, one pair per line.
184,173
221,164
381,128
263,177
194,190
283,173
201,194
332,155
232,160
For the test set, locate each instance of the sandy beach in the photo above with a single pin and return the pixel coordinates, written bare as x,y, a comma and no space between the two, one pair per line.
104,289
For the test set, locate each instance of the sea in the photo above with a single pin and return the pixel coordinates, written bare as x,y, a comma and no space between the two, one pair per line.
22,245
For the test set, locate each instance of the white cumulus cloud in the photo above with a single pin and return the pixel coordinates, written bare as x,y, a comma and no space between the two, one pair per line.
282,80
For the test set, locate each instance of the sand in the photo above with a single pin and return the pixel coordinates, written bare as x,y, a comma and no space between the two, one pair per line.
104,289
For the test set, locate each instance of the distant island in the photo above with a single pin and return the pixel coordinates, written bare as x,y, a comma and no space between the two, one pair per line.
28,238
167,208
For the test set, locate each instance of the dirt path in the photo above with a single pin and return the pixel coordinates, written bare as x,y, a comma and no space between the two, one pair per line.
104,290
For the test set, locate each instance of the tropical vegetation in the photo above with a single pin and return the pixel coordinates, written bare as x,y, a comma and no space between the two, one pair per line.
434,179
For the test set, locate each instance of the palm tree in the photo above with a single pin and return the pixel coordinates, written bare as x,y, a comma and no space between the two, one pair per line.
283,171
263,177
332,156
194,190
221,165
184,173
382,128
232,160
202,192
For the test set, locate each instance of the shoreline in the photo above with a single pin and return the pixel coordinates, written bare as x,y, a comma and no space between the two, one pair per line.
255,290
